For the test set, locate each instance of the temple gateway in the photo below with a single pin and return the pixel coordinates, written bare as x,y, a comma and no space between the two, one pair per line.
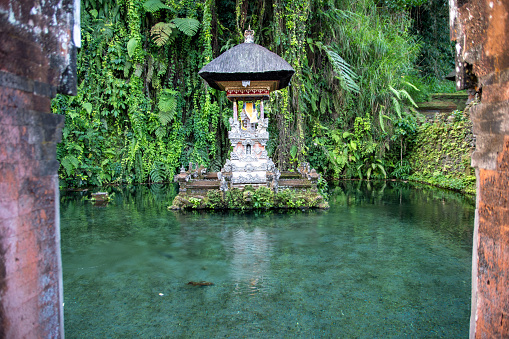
248,73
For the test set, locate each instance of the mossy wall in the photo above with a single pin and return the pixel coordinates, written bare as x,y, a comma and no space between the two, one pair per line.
442,150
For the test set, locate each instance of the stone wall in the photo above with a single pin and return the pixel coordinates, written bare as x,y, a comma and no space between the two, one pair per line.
481,32
36,60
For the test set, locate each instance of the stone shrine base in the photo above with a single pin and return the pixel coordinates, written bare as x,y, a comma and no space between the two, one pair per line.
250,198
199,189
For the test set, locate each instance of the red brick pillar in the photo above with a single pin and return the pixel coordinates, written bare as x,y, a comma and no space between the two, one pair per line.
481,31
36,60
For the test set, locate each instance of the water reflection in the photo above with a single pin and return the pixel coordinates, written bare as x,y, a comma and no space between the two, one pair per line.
250,260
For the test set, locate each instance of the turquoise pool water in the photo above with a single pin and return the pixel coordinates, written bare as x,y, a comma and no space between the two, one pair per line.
388,260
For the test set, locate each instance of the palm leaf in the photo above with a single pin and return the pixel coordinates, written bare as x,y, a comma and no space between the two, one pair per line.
382,169
165,117
188,26
154,5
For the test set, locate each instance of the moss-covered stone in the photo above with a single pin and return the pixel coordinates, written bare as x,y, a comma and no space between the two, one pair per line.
442,152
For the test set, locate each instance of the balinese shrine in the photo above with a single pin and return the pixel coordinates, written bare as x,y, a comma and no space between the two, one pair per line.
248,73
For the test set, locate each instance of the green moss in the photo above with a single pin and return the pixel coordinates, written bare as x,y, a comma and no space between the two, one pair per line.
442,152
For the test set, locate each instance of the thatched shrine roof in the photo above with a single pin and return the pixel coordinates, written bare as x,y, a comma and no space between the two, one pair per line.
247,61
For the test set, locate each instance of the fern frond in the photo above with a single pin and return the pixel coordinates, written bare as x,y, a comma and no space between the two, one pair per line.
406,95
188,26
160,132
139,70
324,103
345,73
69,163
165,117
411,85
127,67
396,92
154,5
397,106
161,32
167,105
156,173
150,69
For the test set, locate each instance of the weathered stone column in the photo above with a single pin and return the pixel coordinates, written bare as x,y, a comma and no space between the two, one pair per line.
36,61
481,32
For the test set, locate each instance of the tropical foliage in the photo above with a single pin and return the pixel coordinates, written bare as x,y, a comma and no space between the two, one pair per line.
142,111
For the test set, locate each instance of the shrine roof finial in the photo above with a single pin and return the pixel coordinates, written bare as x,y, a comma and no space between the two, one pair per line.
249,35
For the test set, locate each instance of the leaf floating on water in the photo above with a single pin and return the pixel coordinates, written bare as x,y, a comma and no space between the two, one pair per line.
200,283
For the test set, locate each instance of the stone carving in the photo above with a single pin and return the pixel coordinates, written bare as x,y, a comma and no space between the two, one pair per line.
224,186
249,179
227,166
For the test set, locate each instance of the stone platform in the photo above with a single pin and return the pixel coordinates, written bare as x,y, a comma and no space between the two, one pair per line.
199,189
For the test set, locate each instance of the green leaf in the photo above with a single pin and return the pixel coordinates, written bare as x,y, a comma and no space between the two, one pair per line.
188,26
88,107
293,151
382,169
131,46
154,5
380,117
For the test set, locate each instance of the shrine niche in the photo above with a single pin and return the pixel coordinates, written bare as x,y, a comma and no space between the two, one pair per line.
248,73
